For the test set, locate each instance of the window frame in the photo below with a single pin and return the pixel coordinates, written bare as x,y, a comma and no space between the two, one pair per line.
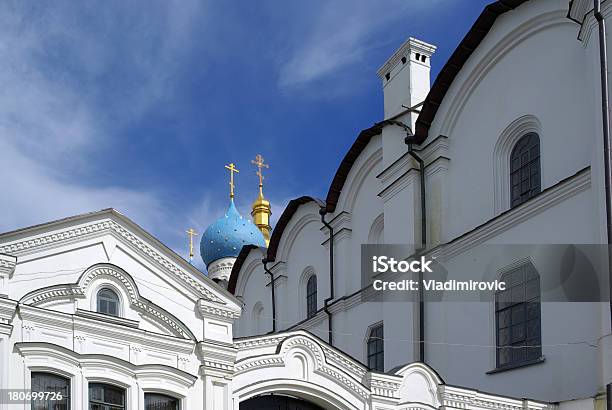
102,402
49,404
311,296
513,316
532,166
375,348
107,301
156,393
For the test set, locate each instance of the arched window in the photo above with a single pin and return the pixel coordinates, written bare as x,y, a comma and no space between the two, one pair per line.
108,302
48,382
376,348
155,401
311,296
517,313
525,169
106,397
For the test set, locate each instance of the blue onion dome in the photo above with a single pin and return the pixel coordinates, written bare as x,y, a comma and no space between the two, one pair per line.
227,235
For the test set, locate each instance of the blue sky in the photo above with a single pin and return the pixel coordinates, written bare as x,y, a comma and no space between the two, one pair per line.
138,105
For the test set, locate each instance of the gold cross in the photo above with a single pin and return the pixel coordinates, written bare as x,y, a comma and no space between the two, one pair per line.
191,234
259,162
232,168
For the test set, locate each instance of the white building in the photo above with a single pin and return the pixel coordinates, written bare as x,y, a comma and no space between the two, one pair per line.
95,308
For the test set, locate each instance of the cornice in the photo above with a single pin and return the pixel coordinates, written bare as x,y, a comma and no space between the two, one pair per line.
589,23
7,264
340,221
8,307
545,200
409,45
457,397
217,358
41,350
407,178
210,310
86,327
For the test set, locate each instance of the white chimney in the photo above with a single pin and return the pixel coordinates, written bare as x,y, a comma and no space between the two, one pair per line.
405,76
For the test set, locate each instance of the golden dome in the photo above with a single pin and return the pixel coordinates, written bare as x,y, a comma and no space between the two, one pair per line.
261,209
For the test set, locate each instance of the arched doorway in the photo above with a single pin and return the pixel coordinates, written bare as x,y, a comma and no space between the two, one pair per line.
278,402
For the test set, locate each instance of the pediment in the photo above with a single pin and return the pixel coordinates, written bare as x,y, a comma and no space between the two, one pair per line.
113,229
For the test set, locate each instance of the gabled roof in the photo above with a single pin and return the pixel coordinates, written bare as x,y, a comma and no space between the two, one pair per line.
464,50
14,242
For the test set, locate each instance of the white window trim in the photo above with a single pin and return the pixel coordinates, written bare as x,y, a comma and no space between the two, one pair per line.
501,158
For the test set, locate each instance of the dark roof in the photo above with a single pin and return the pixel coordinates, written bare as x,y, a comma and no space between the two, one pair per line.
284,219
277,233
349,159
233,279
456,61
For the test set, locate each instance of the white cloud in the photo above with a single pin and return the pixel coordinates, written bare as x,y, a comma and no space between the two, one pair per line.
54,114
343,33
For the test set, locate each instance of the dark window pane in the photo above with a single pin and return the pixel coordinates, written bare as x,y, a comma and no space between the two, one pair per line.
376,349
525,169
311,296
47,382
504,337
154,401
108,302
106,397
518,320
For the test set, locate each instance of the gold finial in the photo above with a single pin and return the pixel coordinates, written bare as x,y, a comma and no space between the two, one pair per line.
259,163
261,209
232,168
191,234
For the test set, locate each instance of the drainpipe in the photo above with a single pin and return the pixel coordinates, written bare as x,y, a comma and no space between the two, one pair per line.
272,285
409,140
603,63
323,212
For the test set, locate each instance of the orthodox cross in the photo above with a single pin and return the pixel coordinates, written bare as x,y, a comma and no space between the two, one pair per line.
232,168
259,163
191,234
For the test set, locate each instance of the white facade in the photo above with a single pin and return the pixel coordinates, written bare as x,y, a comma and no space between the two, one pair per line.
177,333
536,70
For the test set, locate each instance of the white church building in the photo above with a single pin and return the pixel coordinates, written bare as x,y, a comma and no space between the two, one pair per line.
504,148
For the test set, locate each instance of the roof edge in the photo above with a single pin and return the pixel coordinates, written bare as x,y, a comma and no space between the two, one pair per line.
454,64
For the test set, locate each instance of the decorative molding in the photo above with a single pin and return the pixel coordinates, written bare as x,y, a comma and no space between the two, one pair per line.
97,228
7,264
8,308
501,157
34,317
402,182
394,389
456,397
137,302
589,23
35,353
341,220
221,269
225,313
217,358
